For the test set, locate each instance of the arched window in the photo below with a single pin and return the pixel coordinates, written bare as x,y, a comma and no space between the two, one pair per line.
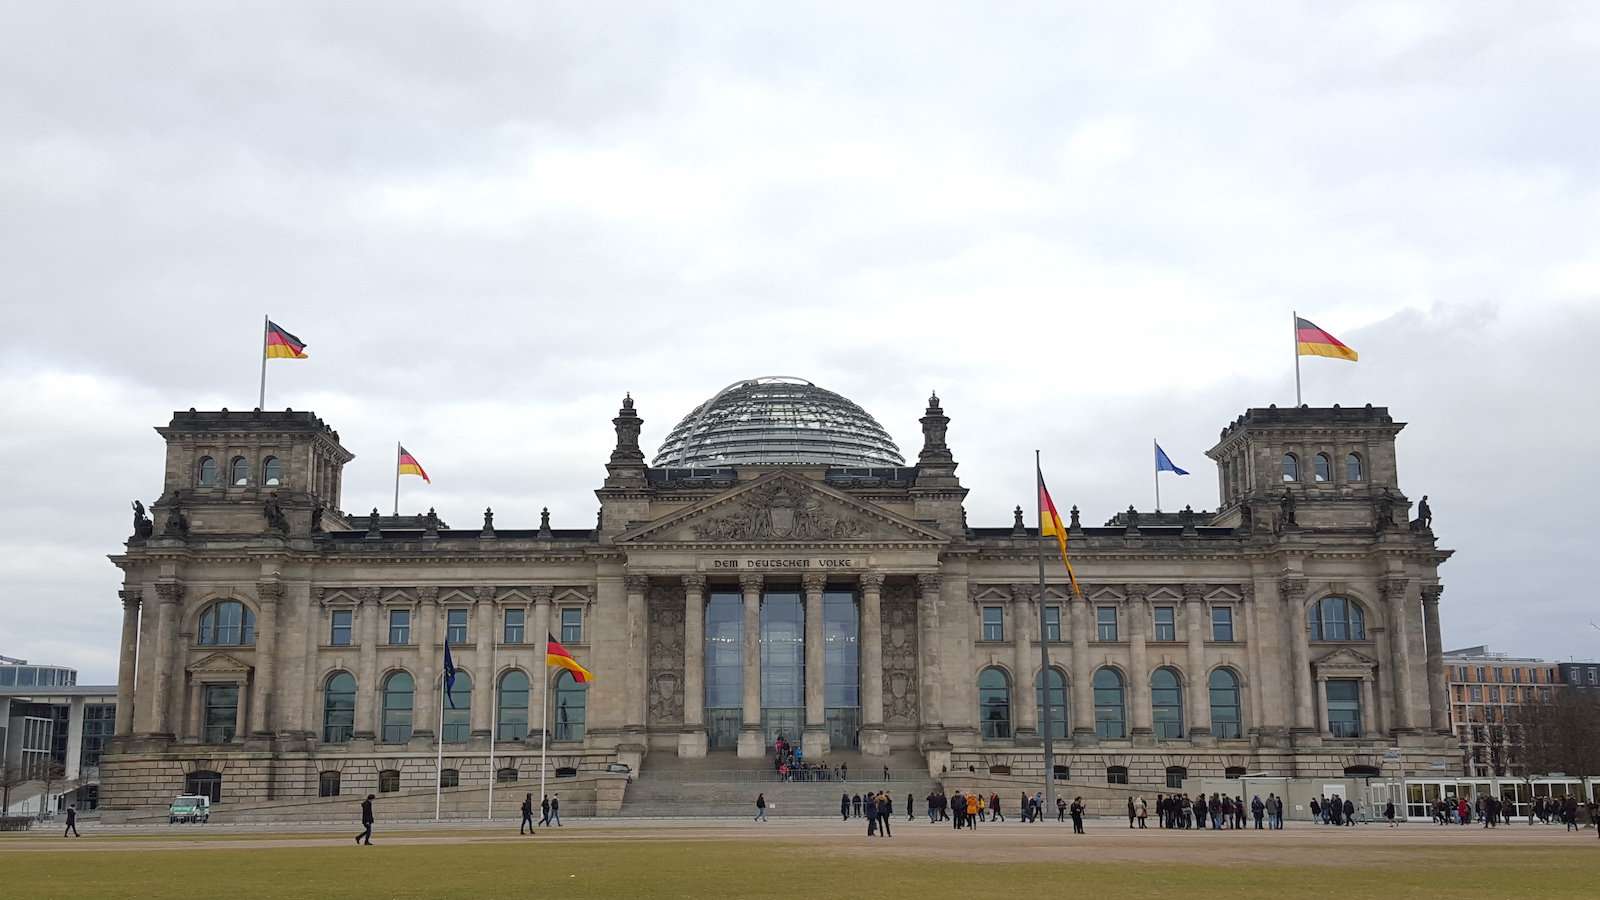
397,691
227,623
1058,702
328,784
1116,774
206,472
388,781
1337,619
204,783
458,710
271,471
449,778
572,703
994,704
338,708
1234,772
1352,468
1291,467
1324,467
1175,776
1108,710
1166,704
512,720
505,775
1226,722
239,471
1361,772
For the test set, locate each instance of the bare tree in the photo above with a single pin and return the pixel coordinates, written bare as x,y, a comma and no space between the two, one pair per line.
10,777
1560,736
50,773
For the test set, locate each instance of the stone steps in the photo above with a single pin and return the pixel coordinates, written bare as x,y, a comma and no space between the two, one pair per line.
723,785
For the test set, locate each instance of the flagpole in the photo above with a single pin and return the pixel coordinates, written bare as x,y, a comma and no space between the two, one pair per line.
494,716
1294,326
544,718
1157,464
438,757
261,403
1044,650
397,478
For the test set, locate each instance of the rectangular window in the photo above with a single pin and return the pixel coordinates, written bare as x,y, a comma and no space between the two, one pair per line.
1494,695
1477,694
572,626
328,784
399,627
1535,673
221,712
455,626
1516,675
340,635
1052,624
1166,624
99,723
1344,707
1483,674
994,618
514,625
1499,673
8,676
1222,623
1105,619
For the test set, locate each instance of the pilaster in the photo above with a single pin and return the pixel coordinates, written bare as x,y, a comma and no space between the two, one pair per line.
1136,612
692,738
1438,700
425,711
1198,694
1292,590
268,593
483,621
1395,609
1023,702
874,740
635,689
932,700
752,742
814,739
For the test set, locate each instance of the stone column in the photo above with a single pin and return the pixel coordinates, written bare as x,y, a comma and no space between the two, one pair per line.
1368,714
752,743
1293,592
814,739
241,713
128,661
1438,701
1323,725
1081,691
539,679
874,739
425,710
194,718
635,688
928,588
1136,613
483,660
268,593
1394,596
1024,703
370,611
692,739
1254,714
1198,693
169,660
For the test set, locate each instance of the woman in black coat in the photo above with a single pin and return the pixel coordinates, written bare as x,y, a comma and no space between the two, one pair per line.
844,807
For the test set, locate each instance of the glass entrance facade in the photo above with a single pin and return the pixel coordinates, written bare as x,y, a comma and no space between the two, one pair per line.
724,661
841,659
783,665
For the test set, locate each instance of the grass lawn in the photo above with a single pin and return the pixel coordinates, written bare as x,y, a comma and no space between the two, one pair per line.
759,868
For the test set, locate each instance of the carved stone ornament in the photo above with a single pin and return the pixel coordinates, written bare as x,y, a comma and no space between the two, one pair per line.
781,511
169,591
898,614
665,655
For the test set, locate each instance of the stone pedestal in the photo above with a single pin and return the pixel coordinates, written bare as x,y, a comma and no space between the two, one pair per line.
752,743
874,741
692,744
815,742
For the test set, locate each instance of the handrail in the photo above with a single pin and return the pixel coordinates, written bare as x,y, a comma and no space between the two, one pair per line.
769,776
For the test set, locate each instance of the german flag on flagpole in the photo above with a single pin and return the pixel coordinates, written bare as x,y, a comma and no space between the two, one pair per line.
409,465
283,345
1050,526
1313,341
557,655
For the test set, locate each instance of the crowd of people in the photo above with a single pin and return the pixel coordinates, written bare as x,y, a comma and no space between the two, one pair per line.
790,764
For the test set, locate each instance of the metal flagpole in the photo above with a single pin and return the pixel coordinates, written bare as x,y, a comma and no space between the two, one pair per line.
1153,460
438,757
1294,326
397,478
1044,653
494,717
544,718
261,403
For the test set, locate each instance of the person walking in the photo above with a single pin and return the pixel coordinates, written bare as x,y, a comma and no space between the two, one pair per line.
366,821
885,773
761,808
1130,813
555,810
72,822
911,815
1077,815
844,807
1388,814
527,815
544,811
994,808
1061,810
885,808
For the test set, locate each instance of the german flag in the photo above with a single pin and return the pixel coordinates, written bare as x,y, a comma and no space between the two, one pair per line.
1313,341
283,345
1050,526
557,655
410,466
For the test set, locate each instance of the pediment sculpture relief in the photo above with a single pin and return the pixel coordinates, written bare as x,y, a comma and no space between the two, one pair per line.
781,512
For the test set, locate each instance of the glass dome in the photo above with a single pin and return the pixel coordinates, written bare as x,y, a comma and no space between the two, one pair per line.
777,421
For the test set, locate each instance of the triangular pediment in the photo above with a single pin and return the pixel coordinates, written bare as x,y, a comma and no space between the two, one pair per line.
782,508
218,663
1345,659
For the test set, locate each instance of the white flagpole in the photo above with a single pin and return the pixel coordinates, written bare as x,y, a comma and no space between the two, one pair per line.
397,478
1155,460
494,718
262,402
1294,326
544,722
438,758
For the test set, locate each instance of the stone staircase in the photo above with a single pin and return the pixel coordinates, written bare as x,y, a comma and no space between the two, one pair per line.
723,785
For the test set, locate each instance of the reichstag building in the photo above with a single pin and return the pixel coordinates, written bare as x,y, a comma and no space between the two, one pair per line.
779,569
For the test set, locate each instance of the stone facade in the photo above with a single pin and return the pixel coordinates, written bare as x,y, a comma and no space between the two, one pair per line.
948,628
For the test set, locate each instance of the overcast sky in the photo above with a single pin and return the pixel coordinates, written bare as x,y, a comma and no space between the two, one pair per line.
1084,225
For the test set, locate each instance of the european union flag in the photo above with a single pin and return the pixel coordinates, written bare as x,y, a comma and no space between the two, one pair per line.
1164,463
449,675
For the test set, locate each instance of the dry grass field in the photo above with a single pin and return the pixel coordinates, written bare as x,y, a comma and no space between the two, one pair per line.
793,860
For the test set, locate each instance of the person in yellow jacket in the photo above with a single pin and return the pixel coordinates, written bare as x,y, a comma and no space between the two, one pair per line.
972,809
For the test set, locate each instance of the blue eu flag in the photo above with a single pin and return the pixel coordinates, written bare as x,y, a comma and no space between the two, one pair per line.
449,675
1164,463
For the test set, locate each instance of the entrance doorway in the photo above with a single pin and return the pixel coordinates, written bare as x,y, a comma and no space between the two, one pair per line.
722,729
